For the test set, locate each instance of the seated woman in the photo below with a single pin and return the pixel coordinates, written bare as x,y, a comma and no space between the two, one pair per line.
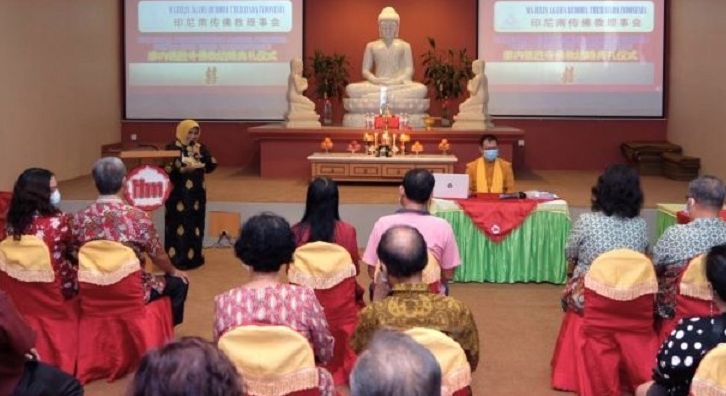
266,243
34,211
680,354
187,367
321,222
614,223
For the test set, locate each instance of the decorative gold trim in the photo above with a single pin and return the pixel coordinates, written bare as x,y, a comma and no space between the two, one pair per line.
455,380
95,277
306,378
19,272
705,387
626,294
700,292
295,275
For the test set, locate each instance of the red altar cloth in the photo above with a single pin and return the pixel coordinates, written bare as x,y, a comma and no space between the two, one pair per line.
682,217
495,217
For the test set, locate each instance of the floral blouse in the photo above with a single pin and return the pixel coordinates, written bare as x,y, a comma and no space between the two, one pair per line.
592,235
55,231
109,218
284,305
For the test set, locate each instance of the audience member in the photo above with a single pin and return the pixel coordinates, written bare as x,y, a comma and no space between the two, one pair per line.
265,244
20,371
614,223
489,173
415,194
681,353
188,367
393,364
680,243
321,222
402,251
34,211
109,218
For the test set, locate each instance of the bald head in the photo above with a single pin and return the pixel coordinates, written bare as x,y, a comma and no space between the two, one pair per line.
403,250
413,372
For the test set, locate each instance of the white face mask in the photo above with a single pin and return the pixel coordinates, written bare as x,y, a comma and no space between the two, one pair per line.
55,198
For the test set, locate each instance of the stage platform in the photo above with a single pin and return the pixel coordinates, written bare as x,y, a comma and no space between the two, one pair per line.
239,185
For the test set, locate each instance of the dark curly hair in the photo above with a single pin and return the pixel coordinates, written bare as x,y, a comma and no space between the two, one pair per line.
265,243
188,367
716,269
321,210
618,192
31,195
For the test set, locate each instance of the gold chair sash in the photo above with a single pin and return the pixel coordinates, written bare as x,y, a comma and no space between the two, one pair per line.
455,369
272,360
27,260
710,377
106,262
693,282
320,265
622,275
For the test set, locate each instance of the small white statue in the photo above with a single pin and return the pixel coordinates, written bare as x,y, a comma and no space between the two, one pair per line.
474,112
300,110
388,77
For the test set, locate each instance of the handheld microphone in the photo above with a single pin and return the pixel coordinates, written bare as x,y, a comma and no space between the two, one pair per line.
514,195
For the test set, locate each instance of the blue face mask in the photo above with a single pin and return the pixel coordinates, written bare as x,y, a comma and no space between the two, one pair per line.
55,198
491,154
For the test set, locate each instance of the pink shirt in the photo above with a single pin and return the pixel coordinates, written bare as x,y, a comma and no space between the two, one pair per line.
437,233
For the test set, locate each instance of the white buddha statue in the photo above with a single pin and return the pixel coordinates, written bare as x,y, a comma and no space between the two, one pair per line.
388,72
474,111
300,110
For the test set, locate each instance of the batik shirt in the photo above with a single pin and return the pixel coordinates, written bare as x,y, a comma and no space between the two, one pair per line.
282,305
55,231
413,305
675,248
110,219
592,235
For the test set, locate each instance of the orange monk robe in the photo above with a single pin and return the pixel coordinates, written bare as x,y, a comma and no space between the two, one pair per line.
497,180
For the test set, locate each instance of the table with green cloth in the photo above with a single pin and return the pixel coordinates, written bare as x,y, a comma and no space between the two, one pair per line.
666,216
533,252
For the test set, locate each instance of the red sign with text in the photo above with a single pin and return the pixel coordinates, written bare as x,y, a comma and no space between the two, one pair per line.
147,187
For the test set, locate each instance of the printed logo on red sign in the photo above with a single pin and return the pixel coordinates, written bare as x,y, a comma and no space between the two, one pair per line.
147,187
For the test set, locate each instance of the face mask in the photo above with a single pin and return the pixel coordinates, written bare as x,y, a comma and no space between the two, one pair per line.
491,154
55,198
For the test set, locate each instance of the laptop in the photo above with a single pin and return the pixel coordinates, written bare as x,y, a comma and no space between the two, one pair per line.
451,185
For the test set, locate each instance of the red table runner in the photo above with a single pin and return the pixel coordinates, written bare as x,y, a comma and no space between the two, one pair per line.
495,217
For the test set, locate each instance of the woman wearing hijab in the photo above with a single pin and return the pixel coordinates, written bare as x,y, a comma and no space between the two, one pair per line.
186,206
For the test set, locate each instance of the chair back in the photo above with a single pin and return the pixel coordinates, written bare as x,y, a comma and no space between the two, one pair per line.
27,259
710,377
272,360
694,285
455,369
619,284
5,198
321,265
109,274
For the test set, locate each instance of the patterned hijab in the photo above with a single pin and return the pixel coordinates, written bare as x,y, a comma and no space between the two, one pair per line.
182,130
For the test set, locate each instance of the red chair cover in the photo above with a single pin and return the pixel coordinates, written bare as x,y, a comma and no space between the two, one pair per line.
686,306
54,319
567,362
117,328
341,311
620,344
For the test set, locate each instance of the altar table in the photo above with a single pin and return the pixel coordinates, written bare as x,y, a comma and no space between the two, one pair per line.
362,167
533,252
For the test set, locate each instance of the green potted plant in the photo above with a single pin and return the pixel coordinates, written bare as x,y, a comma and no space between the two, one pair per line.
330,74
446,73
